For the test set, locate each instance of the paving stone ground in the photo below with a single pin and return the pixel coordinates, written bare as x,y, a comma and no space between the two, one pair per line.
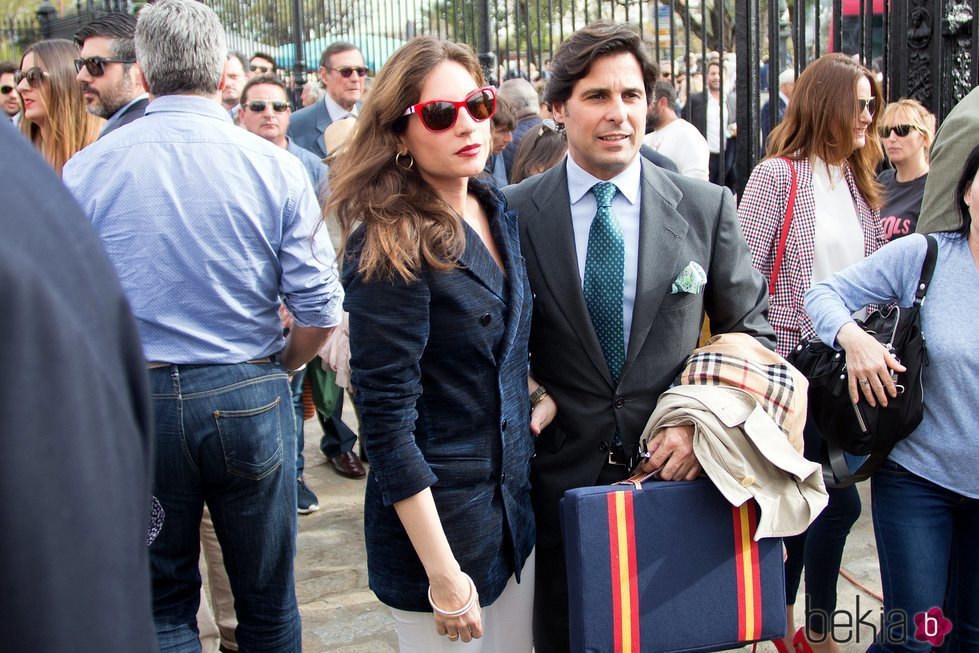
341,615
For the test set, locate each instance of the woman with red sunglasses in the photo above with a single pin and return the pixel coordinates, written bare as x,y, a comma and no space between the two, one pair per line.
439,305
53,110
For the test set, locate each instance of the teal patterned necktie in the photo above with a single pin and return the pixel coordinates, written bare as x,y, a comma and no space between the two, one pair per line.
605,279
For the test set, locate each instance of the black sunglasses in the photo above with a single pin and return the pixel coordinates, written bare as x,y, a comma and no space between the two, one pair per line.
347,71
258,106
260,69
900,130
867,105
439,115
6,90
34,76
96,65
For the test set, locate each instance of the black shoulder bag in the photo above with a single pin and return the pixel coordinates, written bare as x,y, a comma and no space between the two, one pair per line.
860,429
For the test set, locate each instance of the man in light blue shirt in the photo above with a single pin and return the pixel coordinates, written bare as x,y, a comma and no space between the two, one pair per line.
207,226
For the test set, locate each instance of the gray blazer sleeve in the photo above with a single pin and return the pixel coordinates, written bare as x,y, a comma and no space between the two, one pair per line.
956,138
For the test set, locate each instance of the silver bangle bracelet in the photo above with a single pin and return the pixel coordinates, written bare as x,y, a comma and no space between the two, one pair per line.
473,596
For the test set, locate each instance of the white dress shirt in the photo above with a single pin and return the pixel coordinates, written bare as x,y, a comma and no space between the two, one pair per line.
335,110
625,210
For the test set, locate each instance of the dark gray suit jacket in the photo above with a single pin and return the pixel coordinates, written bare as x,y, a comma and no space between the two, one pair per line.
133,112
683,220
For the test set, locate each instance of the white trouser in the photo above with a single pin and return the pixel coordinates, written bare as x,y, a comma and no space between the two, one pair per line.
507,624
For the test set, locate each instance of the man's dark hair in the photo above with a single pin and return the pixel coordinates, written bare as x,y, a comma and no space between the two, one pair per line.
8,67
503,117
266,57
119,28
578,52
665,89
263,79
335,48
240,57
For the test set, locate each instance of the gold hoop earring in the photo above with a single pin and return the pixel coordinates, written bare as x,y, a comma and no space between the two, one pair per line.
397,160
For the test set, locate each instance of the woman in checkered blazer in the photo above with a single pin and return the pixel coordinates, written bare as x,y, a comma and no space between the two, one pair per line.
824,156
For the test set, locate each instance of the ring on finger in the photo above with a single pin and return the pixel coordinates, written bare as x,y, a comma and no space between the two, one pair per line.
864,382
453,636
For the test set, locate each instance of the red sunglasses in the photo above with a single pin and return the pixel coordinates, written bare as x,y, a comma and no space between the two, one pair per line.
439,115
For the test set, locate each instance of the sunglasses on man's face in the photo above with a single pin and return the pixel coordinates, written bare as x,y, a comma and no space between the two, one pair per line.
347,71
900,130
867,104
260,69
34,76
96,65
6,90
258,106
439,115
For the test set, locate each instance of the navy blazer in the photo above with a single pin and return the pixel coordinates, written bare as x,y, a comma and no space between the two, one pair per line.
439,368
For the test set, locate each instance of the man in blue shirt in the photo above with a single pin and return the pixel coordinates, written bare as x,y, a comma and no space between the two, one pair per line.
264,111
107,71
207,226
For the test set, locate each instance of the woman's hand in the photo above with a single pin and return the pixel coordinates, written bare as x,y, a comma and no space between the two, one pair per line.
542,414
869,366
451,593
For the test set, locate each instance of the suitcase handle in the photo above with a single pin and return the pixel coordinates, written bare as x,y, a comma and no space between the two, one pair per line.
636,480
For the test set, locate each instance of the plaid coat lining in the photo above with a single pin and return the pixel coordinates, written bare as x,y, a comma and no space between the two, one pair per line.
761,212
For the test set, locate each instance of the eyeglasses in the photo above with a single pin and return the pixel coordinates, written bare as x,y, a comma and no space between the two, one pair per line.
260,69
900,130
6,90
869,104
34,76
347,71
439,115
96,65
258,106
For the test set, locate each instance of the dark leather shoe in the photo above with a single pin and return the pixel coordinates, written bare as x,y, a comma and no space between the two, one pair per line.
346,464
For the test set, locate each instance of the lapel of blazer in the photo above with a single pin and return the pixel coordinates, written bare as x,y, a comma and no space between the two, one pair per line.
509,227
323,121
551,236
661,229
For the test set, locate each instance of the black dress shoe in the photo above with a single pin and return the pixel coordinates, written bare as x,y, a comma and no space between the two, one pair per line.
346,464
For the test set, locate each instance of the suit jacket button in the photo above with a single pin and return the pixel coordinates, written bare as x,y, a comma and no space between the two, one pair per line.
603,446
503,425
619,402
486,319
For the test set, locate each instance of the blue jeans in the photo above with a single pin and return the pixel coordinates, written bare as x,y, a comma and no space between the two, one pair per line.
296,388
927,543
225,435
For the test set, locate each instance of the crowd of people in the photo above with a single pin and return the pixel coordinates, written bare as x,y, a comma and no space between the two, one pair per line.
504,280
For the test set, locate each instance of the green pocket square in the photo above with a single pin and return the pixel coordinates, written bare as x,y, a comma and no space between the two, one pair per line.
691,280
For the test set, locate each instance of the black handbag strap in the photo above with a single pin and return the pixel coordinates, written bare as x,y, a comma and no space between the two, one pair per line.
927,270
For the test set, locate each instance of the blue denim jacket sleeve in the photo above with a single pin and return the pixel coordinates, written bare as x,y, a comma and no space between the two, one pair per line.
389,328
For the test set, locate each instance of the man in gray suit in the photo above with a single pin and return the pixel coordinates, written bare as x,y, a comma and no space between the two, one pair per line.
342,72
623,259
957,136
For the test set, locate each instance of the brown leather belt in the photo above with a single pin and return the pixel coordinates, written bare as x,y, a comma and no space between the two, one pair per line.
154,365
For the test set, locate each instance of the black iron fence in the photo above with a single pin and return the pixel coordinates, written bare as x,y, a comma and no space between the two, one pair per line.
926,49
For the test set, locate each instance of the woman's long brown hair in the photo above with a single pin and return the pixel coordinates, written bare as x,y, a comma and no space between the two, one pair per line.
69,127
822,117
405,222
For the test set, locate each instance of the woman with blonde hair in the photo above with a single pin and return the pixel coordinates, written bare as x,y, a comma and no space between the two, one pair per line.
52,106
824,156
439,310
907,130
